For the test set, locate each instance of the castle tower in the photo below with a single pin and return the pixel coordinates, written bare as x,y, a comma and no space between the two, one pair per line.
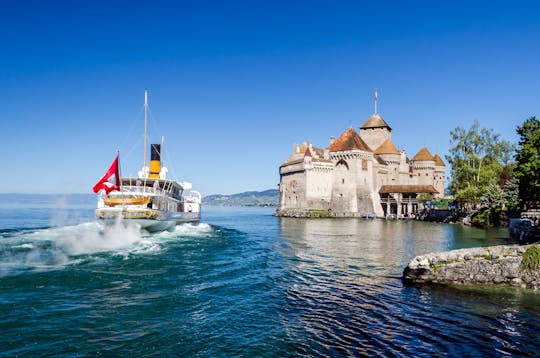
353,178
424,167
375,131
388,153
439,175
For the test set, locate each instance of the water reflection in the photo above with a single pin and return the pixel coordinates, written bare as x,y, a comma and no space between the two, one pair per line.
364,245
345,297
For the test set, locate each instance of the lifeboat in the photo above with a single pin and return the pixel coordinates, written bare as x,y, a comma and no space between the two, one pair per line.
114,201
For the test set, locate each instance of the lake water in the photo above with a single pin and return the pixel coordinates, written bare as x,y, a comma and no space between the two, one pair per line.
243,283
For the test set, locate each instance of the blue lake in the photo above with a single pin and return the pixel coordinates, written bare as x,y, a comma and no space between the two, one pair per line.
243,283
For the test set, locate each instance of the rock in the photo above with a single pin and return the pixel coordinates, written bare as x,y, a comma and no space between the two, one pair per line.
475,266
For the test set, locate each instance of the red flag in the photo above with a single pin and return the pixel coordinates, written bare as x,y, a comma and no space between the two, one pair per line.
111,179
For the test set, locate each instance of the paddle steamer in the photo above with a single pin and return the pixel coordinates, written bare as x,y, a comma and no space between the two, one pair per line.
149,200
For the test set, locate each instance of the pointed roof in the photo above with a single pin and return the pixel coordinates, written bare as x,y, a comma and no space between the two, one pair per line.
438,161
375,121
423,155
349,140
307,153
387,148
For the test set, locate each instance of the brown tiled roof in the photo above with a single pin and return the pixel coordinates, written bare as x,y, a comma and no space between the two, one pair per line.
438,161
375,121
349,140
387,148
319,152
388,189
291,162
423,155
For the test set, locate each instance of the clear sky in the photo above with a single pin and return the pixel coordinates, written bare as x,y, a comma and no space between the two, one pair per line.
233,84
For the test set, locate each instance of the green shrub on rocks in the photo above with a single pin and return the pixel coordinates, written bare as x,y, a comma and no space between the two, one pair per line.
531,259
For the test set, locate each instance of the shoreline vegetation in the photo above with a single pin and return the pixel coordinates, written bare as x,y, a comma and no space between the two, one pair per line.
492,179
494,183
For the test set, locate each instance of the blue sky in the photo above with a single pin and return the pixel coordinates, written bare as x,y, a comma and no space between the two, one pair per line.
233,84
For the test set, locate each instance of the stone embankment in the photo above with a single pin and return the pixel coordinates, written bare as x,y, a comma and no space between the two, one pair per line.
314,213
514,265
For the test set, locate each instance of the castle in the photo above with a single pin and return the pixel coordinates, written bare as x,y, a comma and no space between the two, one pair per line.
358,175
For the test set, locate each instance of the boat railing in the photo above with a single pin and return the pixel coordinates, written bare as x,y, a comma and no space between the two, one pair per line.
134,189
193,197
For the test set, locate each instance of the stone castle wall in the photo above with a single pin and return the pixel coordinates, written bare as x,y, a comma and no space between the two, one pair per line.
374,137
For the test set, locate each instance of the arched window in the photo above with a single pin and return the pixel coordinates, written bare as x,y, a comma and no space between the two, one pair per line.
343,163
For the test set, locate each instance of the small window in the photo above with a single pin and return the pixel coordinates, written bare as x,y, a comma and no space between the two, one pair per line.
342,181
364,164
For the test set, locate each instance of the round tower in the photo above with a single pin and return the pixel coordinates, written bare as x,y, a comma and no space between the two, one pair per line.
424,167
389,154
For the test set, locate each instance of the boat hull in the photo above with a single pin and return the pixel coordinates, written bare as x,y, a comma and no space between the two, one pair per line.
147,219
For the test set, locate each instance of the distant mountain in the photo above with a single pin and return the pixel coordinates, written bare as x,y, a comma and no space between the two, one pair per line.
249,198
46,199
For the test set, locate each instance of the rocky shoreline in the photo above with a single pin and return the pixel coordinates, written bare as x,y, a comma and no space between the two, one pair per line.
512,265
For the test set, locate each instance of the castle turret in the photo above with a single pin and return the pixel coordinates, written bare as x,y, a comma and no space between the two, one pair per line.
438,182
424,167
388,153
375,131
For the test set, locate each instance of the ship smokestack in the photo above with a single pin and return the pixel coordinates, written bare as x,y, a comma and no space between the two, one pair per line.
155,160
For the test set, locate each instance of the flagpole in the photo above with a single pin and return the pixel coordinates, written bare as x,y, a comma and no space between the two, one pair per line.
376,99
145,124
120,177
119,171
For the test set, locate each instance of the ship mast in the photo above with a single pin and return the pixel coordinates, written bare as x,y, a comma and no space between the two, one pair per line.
145,174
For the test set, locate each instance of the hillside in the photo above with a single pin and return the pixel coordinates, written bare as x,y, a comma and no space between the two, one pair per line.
249,198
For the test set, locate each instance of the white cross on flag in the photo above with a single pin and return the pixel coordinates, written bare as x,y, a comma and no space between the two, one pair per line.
111,179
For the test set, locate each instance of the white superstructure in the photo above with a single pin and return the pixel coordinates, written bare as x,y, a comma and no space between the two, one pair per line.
154,204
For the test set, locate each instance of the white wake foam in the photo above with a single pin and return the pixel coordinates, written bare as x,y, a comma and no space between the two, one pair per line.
58,247
186,230
92,238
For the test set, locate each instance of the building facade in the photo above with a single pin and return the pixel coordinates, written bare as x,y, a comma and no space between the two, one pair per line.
358,174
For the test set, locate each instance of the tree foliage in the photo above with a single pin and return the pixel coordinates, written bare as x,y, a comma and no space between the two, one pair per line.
527,157
477,156
511,193
493,198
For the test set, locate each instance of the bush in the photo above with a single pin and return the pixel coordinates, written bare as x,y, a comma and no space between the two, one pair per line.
531,259
486,218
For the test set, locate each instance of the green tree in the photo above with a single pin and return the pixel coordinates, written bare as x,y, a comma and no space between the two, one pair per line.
477,157
527,157
511,193
493,198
